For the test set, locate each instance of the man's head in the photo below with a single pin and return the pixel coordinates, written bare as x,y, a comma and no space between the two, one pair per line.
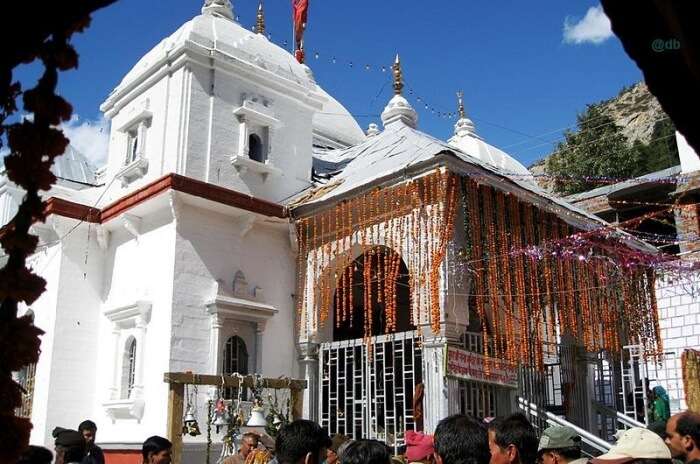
683,436
89,430
156,450
636,446
512,440
70,446
334,450
460,439
35,455
301,442
559,445
367,452
248,443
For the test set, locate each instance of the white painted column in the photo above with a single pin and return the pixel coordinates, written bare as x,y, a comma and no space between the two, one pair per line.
141,134
435,401
217,324
309,371
243,136
141,323
114,382
259,330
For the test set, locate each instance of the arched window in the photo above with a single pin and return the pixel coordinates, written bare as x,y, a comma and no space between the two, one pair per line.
235,361
255,148
129,368
25,378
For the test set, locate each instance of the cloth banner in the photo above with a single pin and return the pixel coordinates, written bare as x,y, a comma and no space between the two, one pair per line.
691,378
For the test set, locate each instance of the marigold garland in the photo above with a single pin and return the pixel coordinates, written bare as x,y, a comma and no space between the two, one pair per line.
525,301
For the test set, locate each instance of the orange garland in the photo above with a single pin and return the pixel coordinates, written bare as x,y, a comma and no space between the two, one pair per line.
415,221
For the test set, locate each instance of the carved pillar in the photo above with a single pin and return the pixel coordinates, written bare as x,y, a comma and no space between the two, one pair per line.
141,134
259,330
435,402
243,136
140,325
309,371
217,324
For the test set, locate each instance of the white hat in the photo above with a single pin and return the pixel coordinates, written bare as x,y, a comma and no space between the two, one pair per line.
635,443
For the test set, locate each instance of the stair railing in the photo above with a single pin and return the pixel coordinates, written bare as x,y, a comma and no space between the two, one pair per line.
588,438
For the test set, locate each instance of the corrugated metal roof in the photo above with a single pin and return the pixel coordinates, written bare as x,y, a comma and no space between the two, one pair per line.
74,167
399,148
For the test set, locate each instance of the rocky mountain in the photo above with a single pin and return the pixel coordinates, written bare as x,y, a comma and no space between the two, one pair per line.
634,109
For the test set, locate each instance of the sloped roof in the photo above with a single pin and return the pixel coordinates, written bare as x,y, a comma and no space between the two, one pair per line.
401,149
74,167
647,179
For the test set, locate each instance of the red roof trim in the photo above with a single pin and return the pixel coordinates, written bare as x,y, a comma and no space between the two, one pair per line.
71,210
175,182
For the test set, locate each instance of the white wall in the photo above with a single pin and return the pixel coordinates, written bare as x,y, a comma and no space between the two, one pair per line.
679,319
48,265
194,132
138,269
69,314
689,159
209,248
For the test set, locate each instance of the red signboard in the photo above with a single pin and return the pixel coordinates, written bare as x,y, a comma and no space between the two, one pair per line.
471,366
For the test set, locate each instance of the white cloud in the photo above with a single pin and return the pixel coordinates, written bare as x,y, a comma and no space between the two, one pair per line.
593,28
91,138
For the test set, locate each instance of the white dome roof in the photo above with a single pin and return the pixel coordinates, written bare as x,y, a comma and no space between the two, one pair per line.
336,123
224,35
466,140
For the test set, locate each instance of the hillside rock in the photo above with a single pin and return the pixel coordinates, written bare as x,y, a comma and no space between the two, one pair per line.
634,109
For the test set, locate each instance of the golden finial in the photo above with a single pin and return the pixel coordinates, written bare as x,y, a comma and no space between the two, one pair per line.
460,102
260,24
398,76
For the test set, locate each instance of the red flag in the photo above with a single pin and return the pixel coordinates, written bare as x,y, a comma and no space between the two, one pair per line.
300,11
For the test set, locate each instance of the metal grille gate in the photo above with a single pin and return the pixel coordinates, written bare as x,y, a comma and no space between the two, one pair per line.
636,372
367,395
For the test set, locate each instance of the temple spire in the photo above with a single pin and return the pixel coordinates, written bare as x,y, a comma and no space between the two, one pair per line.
398,76
222,8
460,104
260,23
464,126
399,112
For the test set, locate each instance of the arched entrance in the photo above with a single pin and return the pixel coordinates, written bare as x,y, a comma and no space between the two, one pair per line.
353,326
368,384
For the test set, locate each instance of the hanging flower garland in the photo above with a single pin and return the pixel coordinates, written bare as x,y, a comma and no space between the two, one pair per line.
413,220
536,282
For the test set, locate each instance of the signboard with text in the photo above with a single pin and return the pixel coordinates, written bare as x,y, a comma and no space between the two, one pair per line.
466,365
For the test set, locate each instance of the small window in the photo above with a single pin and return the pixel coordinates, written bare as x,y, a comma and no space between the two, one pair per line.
129,368
235,361
255,148
132,146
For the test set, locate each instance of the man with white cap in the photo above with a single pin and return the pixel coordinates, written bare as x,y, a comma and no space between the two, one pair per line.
636,446
560,445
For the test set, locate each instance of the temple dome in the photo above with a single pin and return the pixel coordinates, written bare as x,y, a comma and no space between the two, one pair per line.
216,32
468,141
336,122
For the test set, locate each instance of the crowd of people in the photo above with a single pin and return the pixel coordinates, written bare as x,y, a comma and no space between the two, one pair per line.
458,439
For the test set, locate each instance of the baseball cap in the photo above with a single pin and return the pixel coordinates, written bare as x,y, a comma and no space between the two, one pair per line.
558,437
635,443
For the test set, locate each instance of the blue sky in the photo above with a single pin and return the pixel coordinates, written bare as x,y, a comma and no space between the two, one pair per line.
520,78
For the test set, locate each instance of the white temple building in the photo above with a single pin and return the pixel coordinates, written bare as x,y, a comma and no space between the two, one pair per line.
181,254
